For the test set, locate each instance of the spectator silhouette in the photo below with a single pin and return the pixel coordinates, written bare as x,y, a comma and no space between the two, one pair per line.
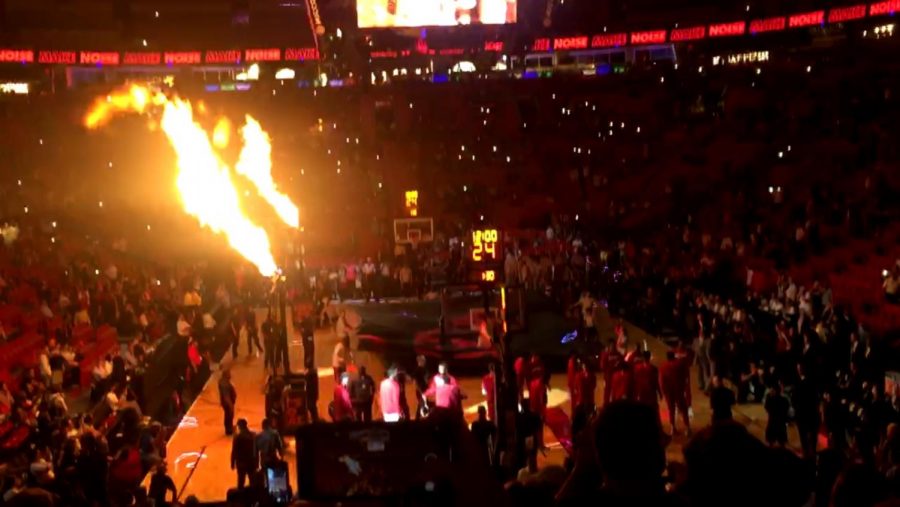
630,460
728,466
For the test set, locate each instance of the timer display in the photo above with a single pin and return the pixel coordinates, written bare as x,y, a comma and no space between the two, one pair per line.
484,245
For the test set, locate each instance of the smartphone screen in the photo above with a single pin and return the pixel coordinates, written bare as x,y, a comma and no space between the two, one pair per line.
277,480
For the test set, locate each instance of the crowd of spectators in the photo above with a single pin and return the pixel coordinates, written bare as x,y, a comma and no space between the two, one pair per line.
97,367
745,212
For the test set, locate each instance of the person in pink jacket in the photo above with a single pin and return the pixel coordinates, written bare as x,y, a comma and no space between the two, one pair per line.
445,390
341,407
389,391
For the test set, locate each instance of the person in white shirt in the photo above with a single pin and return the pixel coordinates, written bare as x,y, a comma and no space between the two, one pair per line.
103,369
387,276
775,306
113,398
368,271
46,312
209,323
64,301
183,327
791,292
44,362
586,302
339,359
891,287
42,468
58,401
806,304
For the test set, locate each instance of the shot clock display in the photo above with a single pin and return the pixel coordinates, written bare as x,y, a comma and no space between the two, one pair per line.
486,256
484,246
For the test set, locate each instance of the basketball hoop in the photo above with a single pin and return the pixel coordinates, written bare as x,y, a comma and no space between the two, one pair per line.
414,236
412,231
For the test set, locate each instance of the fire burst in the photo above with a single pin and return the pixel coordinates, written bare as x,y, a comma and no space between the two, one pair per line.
204,181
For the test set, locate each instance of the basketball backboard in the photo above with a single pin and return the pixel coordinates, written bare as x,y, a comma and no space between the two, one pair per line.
408,231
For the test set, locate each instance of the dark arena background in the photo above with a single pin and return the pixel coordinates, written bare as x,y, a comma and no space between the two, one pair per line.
449,252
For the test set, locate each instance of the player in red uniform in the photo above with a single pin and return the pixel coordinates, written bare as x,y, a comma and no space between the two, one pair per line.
445,390
686,355
572,370
488,384
674,389
610,359
584,387
622,382
646,382
521,368
537,385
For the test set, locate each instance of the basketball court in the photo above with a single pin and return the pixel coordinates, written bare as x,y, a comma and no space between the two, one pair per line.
199,452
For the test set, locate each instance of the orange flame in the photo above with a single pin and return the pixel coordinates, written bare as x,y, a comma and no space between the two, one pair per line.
204,181
255,164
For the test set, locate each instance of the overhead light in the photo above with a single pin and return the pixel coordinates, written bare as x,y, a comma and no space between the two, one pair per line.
464,66
251,74
285,74
14,88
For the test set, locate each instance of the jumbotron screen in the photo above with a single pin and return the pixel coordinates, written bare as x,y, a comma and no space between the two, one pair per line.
413,13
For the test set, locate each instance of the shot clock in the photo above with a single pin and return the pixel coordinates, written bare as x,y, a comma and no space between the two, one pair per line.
486,256
484,246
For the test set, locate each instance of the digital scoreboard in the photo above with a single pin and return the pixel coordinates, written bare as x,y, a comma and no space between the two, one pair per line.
484,246
416,13
485,256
